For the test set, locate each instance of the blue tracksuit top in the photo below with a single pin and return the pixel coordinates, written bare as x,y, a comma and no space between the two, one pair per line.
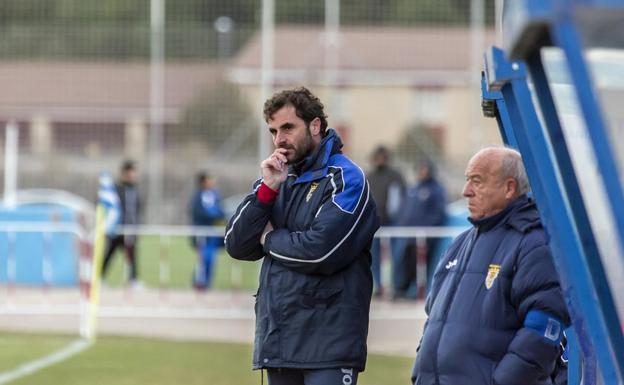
205,207
316,283
496,310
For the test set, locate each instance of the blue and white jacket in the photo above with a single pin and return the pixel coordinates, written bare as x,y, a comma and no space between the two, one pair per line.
496,309
315,283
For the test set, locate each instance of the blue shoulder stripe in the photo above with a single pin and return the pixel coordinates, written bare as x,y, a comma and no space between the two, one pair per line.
348,189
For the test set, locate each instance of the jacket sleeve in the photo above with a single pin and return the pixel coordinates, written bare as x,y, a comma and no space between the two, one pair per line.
538,299
343,227
244,229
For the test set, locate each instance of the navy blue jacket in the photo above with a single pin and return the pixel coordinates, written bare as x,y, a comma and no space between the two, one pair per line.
424,205
315,282
496,310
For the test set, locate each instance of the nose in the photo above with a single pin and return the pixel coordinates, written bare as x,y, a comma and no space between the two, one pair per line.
279,139
467,191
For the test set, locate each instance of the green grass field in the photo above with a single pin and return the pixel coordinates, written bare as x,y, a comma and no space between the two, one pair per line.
182,260
137,361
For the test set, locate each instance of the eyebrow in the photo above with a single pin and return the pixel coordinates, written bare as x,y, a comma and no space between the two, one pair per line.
286,125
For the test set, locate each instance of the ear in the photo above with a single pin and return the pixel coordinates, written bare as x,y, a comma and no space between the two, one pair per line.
511,187
315,126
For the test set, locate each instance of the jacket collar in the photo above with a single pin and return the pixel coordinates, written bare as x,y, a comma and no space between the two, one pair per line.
314,166
521,214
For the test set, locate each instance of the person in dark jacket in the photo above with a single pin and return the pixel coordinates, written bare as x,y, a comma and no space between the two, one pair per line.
130,204
424,205
496,312
311,218
205,210
388,189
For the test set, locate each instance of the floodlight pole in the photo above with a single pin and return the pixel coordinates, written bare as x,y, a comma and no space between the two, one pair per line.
332,36
10,164
477,42
498,21
267,72
156,109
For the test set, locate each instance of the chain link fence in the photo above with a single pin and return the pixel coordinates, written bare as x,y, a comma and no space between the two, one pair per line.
178,86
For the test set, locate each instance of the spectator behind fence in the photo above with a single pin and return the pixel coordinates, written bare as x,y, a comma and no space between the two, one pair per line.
496,312
205,210
130,204
311,219
388,188
424,205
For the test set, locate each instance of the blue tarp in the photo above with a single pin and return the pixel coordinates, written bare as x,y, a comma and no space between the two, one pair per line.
28,249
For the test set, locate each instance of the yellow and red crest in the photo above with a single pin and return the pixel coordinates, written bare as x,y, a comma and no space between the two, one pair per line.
491,275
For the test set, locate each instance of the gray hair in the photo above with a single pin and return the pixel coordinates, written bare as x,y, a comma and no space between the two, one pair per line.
512,167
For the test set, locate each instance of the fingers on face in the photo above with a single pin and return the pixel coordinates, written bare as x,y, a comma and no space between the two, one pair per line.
280,156
275,163
277,160
281,152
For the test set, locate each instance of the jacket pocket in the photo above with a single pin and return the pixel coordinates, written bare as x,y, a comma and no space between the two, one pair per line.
321,328
319,299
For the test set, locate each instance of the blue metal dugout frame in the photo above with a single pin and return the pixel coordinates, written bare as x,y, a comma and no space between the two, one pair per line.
529,26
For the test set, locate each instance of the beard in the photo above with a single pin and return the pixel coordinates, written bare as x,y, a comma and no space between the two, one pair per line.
298,151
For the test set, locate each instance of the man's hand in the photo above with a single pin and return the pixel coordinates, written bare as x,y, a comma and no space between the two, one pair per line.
267,229
274,169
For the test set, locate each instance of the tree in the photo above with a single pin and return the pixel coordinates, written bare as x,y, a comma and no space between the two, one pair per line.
219,118
417,142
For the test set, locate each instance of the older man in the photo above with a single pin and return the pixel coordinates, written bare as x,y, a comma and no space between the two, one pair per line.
495,312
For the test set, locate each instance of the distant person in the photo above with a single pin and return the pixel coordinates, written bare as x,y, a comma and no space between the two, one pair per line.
311,220
205,210
130,205
496,312
424,205
388,188
109,199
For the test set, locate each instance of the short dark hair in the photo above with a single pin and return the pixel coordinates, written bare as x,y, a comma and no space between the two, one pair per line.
381,150
307,106
127,165
201,177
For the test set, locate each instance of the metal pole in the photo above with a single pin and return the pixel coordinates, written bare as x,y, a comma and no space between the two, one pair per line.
477,43
11,262
332,31
498,14
267,71
164,266
46,263
10,164
157,98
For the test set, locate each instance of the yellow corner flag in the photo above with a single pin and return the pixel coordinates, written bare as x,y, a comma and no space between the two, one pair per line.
96,274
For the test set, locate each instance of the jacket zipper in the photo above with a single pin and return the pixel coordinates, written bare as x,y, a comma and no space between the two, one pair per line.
463,264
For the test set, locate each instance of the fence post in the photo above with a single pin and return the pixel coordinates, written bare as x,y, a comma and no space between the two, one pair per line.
46,263
421,267
11,263
164,265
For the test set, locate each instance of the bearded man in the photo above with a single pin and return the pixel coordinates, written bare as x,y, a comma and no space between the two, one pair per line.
311,218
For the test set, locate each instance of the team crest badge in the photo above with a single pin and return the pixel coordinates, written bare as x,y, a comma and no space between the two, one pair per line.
491,276
313,187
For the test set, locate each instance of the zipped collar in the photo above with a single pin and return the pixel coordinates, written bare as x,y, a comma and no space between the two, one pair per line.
314,166
525,216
